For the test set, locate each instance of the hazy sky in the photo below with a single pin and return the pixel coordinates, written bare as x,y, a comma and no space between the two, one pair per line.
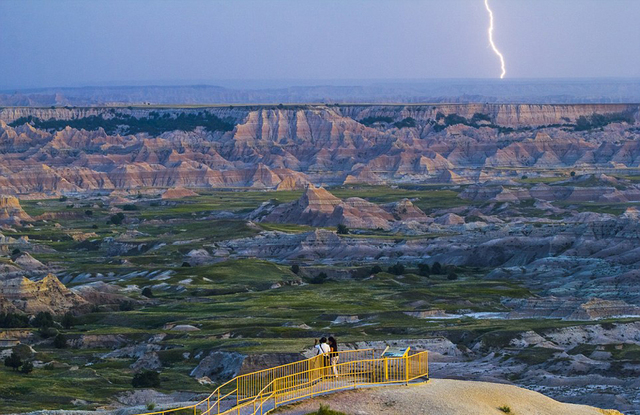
76,43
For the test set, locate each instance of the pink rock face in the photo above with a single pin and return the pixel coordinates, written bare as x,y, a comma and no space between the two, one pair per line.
311,143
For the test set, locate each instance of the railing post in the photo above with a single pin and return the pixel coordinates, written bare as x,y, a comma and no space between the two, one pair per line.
406,369
386,369
218,400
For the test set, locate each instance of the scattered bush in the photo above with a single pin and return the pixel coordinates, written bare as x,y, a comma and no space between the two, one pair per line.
15,252
185,264
342,229
42,320
325,410
47,332
60,341
151,406
27,367
573,174
376,269
319,279
397,269
424,269
155,124
146,379
295,268
405,123
126,306
88,212
600,120
13,320
436,268
452,276
504,408
68,321
63,198
13,361
369,121
117,219
130,207
146,291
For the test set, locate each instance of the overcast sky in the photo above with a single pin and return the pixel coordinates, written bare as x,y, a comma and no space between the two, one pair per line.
78,43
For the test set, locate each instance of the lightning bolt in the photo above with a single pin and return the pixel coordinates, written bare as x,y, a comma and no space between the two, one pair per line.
493,45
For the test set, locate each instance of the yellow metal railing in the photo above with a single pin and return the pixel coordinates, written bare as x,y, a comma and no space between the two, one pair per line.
262,391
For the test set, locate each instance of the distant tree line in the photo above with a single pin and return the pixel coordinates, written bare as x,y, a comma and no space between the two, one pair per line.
154,124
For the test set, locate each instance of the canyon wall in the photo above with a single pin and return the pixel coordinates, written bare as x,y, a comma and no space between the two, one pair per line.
58,150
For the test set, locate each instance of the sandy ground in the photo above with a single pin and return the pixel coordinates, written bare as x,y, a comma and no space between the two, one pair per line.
442,397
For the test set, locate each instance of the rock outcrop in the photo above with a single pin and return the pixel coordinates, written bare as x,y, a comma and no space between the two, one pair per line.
31,297
11,212
286,148
318,207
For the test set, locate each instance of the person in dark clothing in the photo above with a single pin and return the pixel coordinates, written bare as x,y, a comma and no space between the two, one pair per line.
333,355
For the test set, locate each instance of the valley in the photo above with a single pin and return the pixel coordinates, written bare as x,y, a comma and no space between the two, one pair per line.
501,238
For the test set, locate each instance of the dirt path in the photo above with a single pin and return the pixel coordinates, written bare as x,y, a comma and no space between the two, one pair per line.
442,397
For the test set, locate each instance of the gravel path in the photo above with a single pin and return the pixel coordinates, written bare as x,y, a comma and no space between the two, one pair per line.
442,397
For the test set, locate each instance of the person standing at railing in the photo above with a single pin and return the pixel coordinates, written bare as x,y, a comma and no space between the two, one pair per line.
333,345
323,350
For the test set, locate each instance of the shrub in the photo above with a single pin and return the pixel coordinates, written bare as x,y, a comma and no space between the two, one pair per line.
295,268
47,332
405,123
319,279
146,291
130,207
504,408
42,320
573,174
424,269
12,320
27,367
452,276
68,321
146,379
60,341
325,410
397,269
151,406
342,229
117,219
63,198
369,121
376,269
126,306
436,268
15,252
13,361
88,212
185,265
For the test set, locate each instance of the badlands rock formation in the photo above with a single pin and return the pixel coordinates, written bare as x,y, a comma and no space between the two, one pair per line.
318,207
11,212
70,150
31,297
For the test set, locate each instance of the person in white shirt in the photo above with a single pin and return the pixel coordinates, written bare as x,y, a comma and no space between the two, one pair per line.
322,347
